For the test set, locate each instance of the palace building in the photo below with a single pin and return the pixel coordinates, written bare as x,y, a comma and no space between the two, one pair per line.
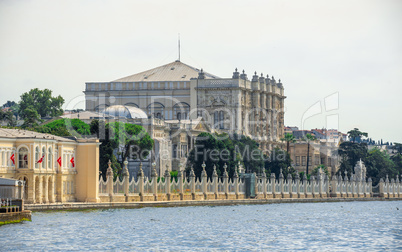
54,169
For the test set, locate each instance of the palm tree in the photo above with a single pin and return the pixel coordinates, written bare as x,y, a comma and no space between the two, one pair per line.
309,138
356,133
289,138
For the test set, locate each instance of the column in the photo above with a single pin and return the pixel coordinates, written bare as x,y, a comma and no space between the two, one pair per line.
225,181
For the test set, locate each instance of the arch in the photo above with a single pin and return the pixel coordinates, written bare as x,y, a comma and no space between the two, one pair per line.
181,110
132,104
43,157
49,158
23,157
156,109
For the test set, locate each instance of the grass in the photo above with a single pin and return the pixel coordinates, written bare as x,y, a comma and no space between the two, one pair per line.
13,221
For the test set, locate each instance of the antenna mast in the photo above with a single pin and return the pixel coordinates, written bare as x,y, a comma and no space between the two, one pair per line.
179,46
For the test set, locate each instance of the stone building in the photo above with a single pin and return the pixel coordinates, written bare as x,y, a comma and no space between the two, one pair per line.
177,91
54,169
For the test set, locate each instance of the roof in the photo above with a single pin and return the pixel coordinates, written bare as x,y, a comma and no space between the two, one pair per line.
19,133
175,71
125,111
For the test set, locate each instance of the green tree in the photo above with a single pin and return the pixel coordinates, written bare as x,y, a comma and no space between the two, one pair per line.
309,138
7,116
379,164
356,134
65,127
31,118
213,149
350,153
288,138
398,148
42,102
279,159
121,137
323,168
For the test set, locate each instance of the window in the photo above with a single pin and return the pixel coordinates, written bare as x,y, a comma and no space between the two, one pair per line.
49,158
185,85
3,158
43,157
174,150
216,119
303,160
23,157
36,157
329,162
297,160
179,116
184,150
221,119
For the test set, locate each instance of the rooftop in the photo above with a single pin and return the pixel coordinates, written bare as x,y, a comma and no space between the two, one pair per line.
174,71
19,133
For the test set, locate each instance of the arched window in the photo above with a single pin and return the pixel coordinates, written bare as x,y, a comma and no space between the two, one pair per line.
181,108
43,157
23,157
36,157
216,119
49,158
156,109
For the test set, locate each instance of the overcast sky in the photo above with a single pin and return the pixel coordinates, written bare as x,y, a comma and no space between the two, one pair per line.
349,51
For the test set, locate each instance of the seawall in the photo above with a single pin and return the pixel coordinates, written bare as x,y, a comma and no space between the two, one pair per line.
106,205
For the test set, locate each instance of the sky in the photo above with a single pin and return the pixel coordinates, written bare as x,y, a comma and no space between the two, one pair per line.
339,61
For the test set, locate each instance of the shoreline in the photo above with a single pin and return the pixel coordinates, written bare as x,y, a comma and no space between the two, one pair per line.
80,206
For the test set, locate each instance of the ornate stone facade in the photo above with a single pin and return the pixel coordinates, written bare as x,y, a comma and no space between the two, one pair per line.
176,91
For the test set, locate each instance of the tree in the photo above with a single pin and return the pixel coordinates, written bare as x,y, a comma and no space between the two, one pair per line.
122,137
356,134
379,164
350,153
8,117
279,159
308,139
42,102
289,138
213,149
398,148
65,127
31,118
323,168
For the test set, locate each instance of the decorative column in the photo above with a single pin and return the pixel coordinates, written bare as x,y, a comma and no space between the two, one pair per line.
180,178
192,180
346,184
46,190
381,188
236,181
109,179
312,183
154,177
334,185
370,185
167,183
297,181
392,188
225,181
204,180
305,185
398,191
320,189
215,182
264,183
326,179
281,183
290,185
358,182
387,185
126,179
352,182
140,177
273,181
